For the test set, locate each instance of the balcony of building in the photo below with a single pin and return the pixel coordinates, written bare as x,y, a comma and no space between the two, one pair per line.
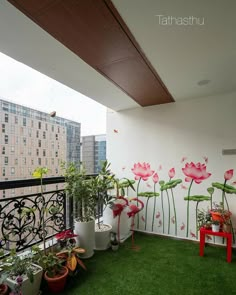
166,72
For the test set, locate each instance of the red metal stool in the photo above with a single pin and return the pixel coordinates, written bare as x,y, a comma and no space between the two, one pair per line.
228,236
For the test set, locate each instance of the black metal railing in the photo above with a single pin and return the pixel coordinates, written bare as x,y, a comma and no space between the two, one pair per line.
23,218
26,219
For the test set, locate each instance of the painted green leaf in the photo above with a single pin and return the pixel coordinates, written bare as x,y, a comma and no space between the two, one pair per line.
161,182
197,198
148,194
226,188
210,190
171,184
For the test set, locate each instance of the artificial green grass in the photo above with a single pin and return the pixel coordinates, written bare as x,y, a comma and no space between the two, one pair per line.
162,266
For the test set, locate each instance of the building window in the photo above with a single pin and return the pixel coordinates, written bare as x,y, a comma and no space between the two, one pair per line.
56,136
32,123
3,171
44,135
56,154
39,161
16,161
24,161
6,139
4,194
37,133
16,120
6,160
24,121
52,128
24,140
39,125
46,126
3,128
44,153
39,143
12,149
13,193
58,129
32,161
6,118
3,150
37,152
12,170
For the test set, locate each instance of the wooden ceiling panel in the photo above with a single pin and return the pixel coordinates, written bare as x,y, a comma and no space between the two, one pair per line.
94,31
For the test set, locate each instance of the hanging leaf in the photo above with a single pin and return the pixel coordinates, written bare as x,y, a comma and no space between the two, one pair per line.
171,184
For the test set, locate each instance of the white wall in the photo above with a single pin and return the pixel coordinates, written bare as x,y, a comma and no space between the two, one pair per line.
162,135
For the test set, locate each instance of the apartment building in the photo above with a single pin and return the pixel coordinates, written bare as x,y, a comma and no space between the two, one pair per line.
93,152
30,138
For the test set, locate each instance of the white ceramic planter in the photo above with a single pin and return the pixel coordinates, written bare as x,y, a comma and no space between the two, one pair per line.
102,238
86,237
28,288
125,222
215,228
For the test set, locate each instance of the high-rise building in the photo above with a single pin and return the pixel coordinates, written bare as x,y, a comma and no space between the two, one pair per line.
93,152
30,138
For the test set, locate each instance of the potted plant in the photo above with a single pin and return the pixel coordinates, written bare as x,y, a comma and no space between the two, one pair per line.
20,274
219,213
54,272
100,186
80,188
226,227
70,255
203,219
215,225
116,213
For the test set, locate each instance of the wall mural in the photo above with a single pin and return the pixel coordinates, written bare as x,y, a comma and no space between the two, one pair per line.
162,213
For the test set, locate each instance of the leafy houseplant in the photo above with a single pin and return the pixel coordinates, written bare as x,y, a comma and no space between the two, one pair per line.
219,213
203,219
20,274
54,272
81,189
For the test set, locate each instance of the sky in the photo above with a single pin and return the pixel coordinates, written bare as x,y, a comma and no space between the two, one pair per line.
23,85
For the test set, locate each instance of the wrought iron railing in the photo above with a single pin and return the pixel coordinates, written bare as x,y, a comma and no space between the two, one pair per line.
21,217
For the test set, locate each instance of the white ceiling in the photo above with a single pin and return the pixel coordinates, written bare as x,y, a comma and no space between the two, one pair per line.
182,55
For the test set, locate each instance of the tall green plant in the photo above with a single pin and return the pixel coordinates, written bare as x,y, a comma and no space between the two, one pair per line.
82,189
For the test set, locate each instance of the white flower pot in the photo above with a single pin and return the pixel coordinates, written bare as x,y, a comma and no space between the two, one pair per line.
86,237
215,228
102,237
125,222
27,287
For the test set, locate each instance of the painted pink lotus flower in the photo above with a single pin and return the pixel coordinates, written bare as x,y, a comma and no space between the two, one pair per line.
155,178
229,174
171,172
142,171
196,172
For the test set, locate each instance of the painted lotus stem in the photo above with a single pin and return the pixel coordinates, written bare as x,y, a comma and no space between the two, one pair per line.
146,213
168,199
196,219
154,208
223,195
163,216
187,222
137,202
173,201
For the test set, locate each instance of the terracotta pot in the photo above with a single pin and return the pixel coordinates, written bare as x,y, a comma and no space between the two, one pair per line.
218,216
57,283
3,289
226,228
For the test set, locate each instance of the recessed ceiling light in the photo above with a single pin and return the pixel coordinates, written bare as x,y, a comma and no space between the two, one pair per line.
203,82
